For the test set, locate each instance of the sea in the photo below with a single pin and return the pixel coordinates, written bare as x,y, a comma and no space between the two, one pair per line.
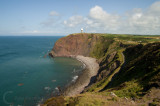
28,75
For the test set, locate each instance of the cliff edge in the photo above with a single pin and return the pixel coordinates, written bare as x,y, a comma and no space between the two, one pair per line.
79,44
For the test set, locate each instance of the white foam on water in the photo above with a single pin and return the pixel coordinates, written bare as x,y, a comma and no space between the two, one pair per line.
74,70
47,88
75,78
53,80
57,89
84,65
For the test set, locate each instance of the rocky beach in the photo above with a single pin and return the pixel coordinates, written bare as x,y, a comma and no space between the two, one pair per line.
85,78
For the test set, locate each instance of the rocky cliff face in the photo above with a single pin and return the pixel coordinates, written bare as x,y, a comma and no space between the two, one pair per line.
79,44
107,66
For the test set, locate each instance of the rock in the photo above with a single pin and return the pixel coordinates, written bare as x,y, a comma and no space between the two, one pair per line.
113,94
50,54
20,84
132,102
126,98
79,44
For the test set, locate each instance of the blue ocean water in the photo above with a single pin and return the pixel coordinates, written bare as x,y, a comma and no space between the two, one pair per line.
26,76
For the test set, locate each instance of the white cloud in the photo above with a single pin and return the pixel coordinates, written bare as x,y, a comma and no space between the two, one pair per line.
136,21
74,21
53,13
38,32
144,22
98,13
137,16
54,18
155,8
49,22
35,31
102,19
30,32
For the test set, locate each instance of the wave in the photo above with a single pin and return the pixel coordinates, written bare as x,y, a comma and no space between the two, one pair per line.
7,54
74,78
84,65
47,88
74,70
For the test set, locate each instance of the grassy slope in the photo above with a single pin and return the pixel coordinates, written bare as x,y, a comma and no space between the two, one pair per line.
139,73
104,82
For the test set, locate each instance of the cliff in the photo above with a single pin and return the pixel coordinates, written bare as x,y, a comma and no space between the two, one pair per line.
129,68
79,44
92,45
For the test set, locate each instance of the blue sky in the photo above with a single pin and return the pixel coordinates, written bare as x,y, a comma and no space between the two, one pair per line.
62,17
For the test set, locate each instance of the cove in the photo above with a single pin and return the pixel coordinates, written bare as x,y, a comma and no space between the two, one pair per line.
27,76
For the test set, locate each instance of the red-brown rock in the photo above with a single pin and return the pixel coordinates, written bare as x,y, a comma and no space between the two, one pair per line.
75,44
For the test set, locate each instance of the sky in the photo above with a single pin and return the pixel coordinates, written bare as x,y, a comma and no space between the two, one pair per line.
63,17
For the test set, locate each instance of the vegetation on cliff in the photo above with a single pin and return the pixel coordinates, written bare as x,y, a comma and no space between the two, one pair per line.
129,71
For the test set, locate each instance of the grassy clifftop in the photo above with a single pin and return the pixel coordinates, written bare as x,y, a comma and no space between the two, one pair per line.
129,71
96,45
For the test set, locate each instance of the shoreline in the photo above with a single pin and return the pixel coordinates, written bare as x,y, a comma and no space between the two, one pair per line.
90,69
84,79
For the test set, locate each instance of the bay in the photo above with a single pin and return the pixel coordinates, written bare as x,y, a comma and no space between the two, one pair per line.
27,75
